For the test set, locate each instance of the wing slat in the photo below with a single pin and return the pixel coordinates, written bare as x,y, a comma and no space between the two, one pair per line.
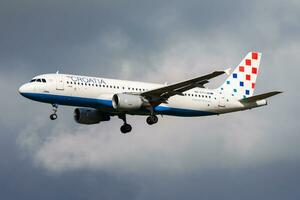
166,92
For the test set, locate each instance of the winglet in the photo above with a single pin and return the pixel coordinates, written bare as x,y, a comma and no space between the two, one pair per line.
227,71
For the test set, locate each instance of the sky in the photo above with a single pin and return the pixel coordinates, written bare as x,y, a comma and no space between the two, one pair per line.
246,155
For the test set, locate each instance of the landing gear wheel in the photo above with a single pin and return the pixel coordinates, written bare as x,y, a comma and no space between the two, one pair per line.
152,119
53,116
126,128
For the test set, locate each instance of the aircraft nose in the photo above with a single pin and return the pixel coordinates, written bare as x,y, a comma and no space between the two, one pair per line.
24,89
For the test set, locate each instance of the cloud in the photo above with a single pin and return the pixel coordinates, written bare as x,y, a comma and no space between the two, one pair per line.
246,141
229,142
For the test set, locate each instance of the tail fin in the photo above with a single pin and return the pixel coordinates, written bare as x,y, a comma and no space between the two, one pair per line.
241,82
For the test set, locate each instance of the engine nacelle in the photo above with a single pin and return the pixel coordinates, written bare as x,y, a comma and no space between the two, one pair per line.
127,102
89,116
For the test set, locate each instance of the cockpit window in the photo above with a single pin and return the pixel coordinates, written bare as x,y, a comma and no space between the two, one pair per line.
38,80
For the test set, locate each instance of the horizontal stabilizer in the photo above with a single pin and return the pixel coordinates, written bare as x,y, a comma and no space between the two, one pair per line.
259,97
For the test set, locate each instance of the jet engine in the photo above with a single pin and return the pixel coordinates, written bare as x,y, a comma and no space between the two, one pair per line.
127,102
89,116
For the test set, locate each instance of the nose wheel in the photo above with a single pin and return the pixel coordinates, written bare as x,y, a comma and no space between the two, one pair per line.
54,115
152,119
125,128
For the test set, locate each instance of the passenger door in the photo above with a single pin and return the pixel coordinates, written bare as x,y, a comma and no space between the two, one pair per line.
222,100
59,82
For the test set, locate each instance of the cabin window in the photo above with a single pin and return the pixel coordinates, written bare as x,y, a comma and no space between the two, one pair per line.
38,80
44,80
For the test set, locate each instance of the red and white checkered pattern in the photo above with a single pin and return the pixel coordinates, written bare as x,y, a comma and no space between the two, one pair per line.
241,83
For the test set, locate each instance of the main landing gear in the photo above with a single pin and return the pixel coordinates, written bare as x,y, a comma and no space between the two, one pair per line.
54,115
152,119
125,128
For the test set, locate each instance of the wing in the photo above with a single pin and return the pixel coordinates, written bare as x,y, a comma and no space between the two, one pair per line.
161,95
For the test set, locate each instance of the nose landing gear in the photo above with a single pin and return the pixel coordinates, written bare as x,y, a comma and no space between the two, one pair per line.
54,115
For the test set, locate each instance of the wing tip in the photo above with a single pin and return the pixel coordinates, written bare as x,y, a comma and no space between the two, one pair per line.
227,71
277,92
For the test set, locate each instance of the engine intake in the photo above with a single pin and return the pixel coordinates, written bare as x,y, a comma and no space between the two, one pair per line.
89,116
127,102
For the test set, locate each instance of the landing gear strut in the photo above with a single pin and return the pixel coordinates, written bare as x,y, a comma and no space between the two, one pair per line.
54,115
125,128
152,119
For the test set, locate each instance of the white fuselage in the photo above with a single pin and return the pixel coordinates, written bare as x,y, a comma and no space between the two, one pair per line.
97,93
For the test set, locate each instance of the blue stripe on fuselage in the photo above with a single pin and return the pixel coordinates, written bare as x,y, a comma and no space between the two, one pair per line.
107,105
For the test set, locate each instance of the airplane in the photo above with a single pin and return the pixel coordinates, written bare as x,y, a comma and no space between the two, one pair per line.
99,99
